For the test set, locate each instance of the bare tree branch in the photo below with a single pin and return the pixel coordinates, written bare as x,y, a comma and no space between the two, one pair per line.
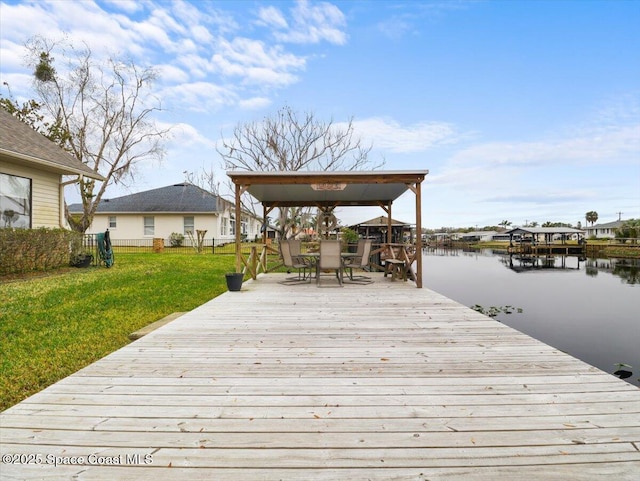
290,141
107,110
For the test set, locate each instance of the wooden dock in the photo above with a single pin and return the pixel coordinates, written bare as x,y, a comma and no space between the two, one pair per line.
548,249
379,381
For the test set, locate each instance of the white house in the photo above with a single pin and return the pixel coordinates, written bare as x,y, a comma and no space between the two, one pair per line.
179,208
477,236
604,231
31,176
545,234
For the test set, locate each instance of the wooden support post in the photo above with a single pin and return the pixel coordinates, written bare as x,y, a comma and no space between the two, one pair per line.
389,225
238,228
418,254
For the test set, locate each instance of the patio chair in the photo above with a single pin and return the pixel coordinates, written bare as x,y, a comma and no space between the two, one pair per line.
359,261
294,263
295,247
330,260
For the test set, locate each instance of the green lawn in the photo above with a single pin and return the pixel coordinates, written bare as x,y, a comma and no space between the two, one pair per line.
53,326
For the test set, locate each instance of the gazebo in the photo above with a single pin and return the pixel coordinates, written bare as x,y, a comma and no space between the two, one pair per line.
546,233
379,228
326,190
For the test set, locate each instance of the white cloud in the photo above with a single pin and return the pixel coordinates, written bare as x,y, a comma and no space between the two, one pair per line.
201,34
255,103
199,96
271,16
619,144
11,54
255,63
186,136
170,74
17,21
198,67
192,45
128,6
314,23
389,135
394,27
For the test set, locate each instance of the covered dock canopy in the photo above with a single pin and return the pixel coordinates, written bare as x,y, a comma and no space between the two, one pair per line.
547,232
378,227
328,189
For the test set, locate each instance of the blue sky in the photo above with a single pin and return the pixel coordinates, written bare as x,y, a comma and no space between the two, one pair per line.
521,110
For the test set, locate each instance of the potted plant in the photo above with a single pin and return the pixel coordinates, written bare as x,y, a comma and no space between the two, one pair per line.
80,255
234,280
81,259
349,238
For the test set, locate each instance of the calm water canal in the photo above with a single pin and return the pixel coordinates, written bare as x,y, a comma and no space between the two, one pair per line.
587,308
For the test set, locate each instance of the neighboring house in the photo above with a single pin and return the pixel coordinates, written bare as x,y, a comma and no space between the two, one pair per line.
545,234
604,231
477,236
31,176
440,238
179,208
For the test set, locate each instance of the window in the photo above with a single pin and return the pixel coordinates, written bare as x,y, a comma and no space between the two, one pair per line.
225,226
149,226
112,222
232,222
15,201
189,225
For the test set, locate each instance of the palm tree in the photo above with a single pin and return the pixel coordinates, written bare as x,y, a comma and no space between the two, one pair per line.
591,216
505,224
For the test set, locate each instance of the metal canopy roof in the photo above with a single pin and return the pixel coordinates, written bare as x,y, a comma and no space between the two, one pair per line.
307,188
543,230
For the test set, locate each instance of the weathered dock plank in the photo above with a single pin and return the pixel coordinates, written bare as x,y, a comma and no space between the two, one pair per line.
376,381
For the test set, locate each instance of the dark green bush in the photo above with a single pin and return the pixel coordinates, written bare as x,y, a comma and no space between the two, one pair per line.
25,250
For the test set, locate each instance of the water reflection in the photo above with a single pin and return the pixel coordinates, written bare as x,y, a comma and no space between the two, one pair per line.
628,270
529,263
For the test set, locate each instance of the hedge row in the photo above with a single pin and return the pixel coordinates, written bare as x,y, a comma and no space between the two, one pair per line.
24,250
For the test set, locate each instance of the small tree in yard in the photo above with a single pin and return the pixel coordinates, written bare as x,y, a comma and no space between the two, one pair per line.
104,113
290,141
629,230
197,241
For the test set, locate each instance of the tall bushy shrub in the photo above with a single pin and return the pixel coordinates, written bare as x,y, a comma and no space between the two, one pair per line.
24,250
176,239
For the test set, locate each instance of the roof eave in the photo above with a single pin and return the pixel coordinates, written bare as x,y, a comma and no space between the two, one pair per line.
304,177
62,169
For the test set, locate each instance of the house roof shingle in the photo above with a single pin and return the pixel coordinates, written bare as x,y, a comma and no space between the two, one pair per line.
608,225
544,230
20,142
173,198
